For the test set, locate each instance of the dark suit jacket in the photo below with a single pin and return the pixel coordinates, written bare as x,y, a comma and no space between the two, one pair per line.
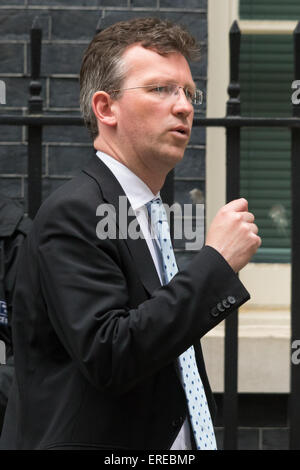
96,336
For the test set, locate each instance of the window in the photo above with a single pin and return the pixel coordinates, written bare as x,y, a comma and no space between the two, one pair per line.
266,75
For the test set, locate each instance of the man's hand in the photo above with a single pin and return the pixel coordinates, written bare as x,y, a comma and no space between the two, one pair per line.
233,234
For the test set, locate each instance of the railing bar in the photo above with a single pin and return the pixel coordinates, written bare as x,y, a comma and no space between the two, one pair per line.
35,106
232,121
230,398
294,402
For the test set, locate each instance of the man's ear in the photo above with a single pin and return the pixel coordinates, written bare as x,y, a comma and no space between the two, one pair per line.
103,109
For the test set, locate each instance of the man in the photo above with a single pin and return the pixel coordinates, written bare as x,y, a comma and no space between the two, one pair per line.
14,227
100,344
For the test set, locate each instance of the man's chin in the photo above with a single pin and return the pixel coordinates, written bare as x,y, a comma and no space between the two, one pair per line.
169,158
175,157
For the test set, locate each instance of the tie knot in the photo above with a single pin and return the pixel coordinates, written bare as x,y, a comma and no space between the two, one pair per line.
156,210
155,202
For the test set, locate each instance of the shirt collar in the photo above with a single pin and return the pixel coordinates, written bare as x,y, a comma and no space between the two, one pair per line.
137,192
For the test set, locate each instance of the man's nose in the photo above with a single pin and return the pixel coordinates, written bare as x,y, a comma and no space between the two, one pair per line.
182,104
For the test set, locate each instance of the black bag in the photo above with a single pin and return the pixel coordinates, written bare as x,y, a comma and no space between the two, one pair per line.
14,227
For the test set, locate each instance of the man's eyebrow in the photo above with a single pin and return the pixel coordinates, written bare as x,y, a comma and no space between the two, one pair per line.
166,81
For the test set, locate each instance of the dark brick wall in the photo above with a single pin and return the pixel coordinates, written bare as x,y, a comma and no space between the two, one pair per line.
262,419
254,438
67,30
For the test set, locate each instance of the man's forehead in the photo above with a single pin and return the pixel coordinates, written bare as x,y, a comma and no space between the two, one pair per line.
141,61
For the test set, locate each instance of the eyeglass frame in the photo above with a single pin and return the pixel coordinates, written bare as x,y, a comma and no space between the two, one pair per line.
175,91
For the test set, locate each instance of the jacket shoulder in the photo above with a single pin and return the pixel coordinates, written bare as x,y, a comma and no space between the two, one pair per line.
81,191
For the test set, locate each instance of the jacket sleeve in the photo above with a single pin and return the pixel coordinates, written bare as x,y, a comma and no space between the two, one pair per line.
116,346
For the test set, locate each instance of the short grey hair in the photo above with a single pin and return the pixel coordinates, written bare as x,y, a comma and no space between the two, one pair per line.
103,67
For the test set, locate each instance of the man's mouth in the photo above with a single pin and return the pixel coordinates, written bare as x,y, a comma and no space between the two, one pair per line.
181,131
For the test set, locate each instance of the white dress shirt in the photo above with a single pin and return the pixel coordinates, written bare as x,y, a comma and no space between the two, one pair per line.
138,194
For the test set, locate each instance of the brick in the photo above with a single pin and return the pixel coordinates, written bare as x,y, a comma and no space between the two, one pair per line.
75,24
11,187
16,24
64,93
62,58
113,3
11,58
192,164
11,133
248,439
67,161
184,5
17,91
144,3
275,439
74,134
195,23
81,3
13,159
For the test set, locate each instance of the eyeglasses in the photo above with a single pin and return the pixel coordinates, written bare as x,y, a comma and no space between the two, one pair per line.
164,91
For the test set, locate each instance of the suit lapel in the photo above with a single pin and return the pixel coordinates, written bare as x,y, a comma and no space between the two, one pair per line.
111,190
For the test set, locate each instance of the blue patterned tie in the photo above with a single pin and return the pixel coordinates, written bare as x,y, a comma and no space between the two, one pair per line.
199,412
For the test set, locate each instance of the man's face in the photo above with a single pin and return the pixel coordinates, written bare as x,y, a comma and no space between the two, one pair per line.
146,121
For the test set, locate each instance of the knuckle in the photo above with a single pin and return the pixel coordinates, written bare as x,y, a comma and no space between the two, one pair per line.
245,228
238,216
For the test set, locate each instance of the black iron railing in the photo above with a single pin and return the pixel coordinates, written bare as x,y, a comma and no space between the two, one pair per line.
232,122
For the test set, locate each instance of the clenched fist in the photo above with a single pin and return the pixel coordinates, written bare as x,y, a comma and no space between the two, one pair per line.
233,234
